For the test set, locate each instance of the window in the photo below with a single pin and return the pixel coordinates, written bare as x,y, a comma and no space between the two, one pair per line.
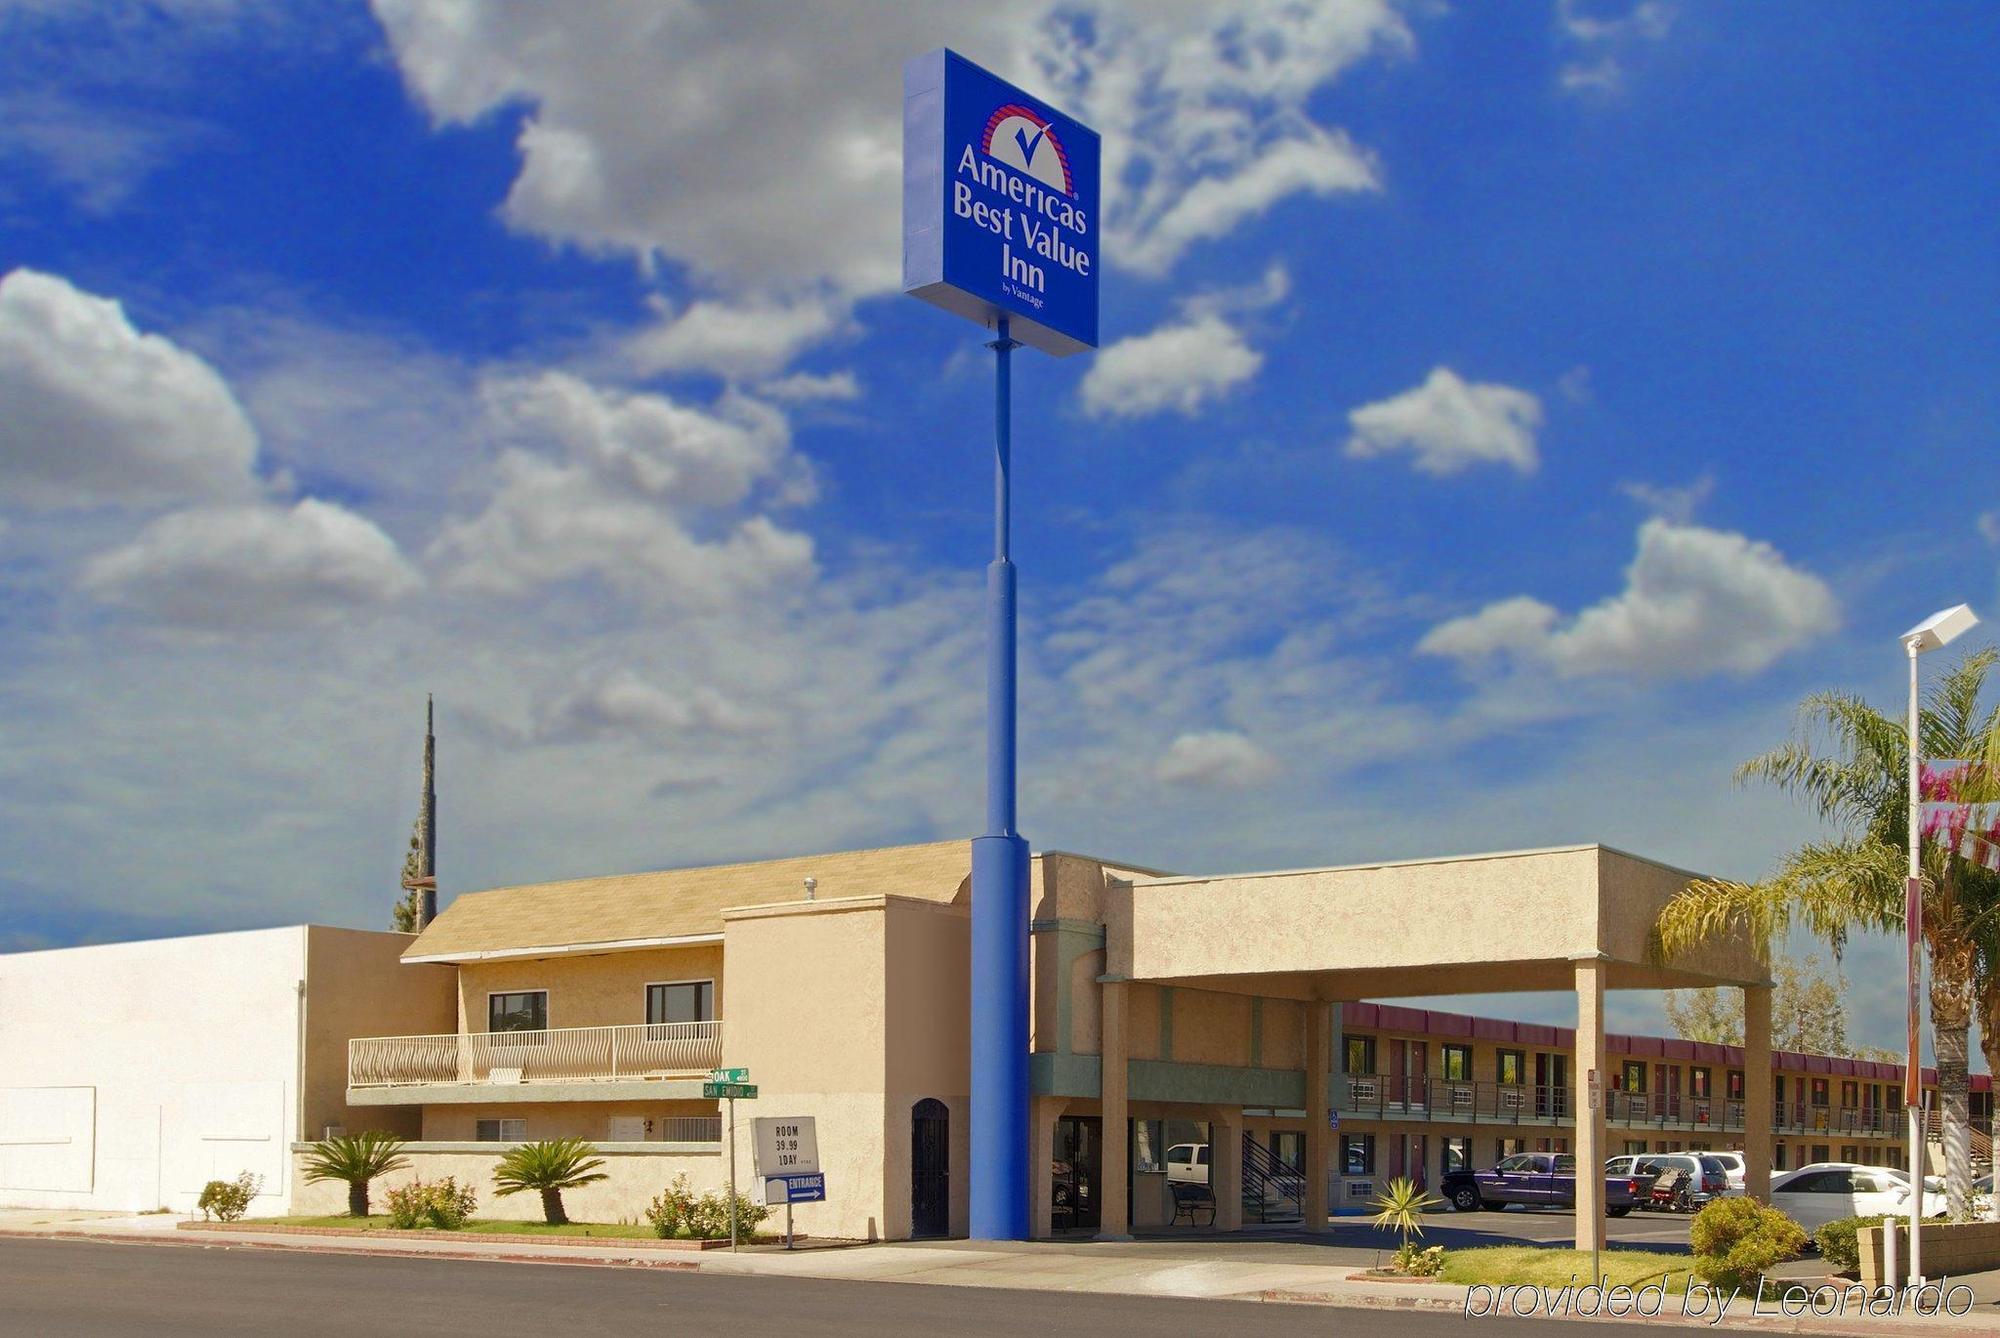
1635,1147
500,1131
1458,1063
1456,1153
1698,1084
681,1001
1635,1075
525,1011
1821,1152
1357,1154
1735,1084
1507,1147
1850,1096
1819,1086
1361,1055
1513,1068
1565,1165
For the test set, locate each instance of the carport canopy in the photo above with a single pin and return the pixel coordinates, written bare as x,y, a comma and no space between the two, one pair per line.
1573,918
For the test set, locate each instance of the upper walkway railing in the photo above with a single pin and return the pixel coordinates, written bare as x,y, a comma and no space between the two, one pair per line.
1444,1100
567,1054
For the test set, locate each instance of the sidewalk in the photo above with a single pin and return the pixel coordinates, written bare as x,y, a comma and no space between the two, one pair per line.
1294,1271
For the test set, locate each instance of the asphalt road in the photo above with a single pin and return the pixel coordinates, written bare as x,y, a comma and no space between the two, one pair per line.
81,1289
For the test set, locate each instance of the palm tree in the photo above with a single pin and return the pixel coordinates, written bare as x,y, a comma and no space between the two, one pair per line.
551,1168
1857,783
1400,1208
356,1159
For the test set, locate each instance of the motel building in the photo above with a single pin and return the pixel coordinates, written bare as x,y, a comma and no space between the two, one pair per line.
1183,1028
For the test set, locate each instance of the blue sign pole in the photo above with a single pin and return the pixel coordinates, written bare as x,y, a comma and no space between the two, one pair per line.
1000,225
1000,1132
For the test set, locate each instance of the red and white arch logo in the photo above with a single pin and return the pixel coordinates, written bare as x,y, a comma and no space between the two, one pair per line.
1023,139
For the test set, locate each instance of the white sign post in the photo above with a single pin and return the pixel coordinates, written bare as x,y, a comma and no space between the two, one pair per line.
784,1151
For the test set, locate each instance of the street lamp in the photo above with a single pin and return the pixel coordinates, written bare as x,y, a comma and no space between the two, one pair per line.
1938,630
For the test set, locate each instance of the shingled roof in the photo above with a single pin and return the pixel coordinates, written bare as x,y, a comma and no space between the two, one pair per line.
636,908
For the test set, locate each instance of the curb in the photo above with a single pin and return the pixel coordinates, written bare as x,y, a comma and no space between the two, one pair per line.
473,1256
674,1246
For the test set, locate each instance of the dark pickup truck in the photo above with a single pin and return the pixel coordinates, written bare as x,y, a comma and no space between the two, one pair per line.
1539,1179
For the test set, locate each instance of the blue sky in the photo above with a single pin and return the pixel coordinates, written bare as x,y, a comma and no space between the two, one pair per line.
1505,414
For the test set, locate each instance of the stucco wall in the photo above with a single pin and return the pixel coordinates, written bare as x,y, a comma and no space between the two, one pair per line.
928,1022
357,985
636,1175
813,1040
605,990
182,1060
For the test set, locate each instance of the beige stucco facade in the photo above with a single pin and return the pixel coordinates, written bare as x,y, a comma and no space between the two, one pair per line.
1221,1010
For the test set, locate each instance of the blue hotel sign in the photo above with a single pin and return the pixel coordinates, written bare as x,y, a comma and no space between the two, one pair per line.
1000,205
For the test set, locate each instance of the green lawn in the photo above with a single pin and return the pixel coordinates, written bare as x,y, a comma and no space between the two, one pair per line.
1498,1265
609,1230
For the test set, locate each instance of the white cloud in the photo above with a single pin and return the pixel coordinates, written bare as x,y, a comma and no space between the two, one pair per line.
804,387
1178,368
643,492
1989,527
1696,601
249,565
1451,424
780,133
622,706
1603,34
97,412
1677,504
750,339
1216,758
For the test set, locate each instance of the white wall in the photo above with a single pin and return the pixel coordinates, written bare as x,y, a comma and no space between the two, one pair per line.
132,1073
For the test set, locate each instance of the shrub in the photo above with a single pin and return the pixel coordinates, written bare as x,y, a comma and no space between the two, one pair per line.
1735,1240
549,1168
678,1212
441,1205
356,1159
669,1211
1840,1242
1416,1263
228,1200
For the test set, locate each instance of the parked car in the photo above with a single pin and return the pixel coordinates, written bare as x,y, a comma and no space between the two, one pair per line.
1736,1168
1546,1180
1187,1164
1636,1168
1458,1188
1703,1175
1825,1192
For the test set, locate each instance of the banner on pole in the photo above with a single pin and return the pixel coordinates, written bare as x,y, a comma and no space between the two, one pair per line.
1000,204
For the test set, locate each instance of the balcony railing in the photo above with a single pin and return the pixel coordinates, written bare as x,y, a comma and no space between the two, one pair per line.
1420,1097
567,1054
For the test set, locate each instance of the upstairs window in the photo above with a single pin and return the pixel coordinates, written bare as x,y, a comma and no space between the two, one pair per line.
1458,1063
681,1001
527,1010
1361,1055
1513,1068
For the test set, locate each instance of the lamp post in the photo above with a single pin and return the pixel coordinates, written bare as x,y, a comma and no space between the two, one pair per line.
1938,630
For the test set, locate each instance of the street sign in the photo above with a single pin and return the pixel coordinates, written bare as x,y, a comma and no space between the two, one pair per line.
794,1189
730,1075
1000,205
784,1145
730,1090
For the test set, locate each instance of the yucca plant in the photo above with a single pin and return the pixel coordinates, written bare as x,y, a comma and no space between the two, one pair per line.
549,1168
1400,1207
356,1159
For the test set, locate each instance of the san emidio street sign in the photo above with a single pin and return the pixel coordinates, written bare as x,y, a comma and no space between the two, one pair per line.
1000,204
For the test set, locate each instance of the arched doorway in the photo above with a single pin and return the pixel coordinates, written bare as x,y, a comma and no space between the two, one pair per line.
930,1169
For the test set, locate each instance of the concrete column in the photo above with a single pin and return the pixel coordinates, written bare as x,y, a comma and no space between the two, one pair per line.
1757,1101
1045,1110
1115,1217
1589,1059
1319,1137
1225,1166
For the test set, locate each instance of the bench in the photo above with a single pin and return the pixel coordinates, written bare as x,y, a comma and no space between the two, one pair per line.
1189,1199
